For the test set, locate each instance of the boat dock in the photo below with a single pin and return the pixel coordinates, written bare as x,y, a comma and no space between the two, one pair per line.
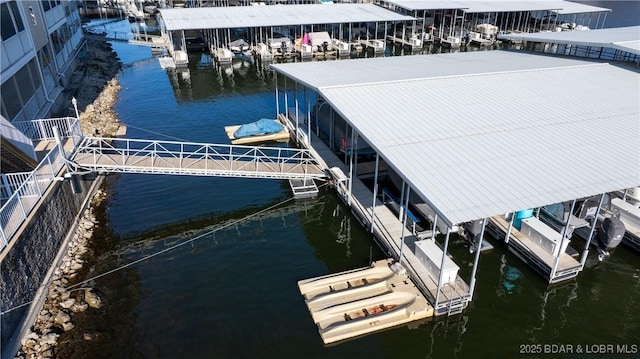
361,301
378,46
256,25
414,44
534,254
423,266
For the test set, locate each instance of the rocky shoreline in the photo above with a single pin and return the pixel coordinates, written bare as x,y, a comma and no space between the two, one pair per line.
96,89
62,300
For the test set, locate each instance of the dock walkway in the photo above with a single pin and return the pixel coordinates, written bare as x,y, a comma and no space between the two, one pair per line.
532,253
453,296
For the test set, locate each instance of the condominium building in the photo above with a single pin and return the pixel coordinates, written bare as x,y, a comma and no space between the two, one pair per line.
39,46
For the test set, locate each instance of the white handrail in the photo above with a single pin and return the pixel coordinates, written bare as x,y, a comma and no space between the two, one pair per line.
193,158
26,194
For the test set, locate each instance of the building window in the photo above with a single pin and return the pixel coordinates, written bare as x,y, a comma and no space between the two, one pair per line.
15,97
10,99
49,4
10,20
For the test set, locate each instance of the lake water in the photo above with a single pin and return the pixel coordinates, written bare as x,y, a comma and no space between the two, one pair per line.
232,293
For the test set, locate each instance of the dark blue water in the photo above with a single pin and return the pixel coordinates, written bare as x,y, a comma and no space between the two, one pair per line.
233,292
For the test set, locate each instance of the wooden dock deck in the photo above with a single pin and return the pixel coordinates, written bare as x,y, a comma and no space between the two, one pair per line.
415,45
533,254
200,166
388,232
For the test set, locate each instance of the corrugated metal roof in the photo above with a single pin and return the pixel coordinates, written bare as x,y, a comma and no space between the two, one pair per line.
471,6
622,38
475,143
274,15
360,71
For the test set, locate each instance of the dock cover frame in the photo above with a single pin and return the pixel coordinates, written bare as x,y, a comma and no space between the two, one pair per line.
232,17
487,133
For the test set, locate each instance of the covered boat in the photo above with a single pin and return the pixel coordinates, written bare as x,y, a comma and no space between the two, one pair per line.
239,46
263,130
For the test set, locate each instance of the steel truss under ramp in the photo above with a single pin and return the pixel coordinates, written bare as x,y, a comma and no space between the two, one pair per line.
103,155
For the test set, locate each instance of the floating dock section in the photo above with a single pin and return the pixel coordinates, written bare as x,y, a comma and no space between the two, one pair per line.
361,301
540,255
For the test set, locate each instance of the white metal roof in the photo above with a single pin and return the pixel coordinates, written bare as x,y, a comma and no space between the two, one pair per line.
319,74
479,143
621,38
274,15
475,6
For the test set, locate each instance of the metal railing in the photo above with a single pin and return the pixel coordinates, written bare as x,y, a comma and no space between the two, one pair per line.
42,129
24,196
198,159
18,207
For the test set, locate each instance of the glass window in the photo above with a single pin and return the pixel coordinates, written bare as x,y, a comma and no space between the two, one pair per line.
35,74
44,56
26,85
55,41
10,99
6,23
46,5
16,15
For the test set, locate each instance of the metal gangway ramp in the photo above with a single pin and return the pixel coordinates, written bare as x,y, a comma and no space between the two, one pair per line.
102,155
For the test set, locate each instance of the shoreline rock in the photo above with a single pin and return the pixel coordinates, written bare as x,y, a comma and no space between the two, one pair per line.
96,88
56,314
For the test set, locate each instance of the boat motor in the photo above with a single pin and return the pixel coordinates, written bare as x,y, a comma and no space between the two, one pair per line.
611,232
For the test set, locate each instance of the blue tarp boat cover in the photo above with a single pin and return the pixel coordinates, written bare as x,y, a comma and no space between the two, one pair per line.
263,126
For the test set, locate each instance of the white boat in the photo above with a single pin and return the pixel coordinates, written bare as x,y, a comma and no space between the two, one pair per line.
320,42
263,130
450,41
608,232
239,46
280,46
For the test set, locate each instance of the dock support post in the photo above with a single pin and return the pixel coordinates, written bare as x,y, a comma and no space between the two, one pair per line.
401,200
563,238
375,193
583,259
508,235
624,196
308,118
350,166
295,101
286,98
435,225
444,254
476,260
404,225
275,75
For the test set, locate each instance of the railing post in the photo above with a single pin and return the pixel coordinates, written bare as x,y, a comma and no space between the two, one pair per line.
53,174
56,134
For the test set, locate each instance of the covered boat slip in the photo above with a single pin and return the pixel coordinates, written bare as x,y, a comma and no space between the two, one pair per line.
619,44
453,295
456,18
532,253
471,162
257,25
